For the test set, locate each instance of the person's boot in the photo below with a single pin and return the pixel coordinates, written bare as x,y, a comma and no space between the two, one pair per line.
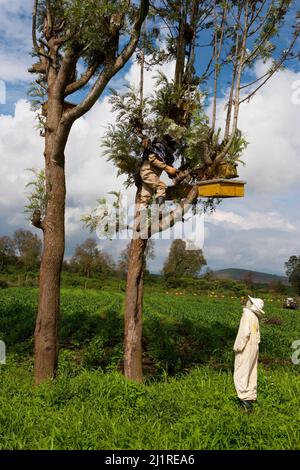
247,405
160,201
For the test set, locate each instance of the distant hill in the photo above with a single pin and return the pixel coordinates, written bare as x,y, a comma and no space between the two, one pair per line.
246,274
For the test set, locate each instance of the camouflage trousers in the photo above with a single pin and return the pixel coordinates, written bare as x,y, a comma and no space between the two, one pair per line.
152,184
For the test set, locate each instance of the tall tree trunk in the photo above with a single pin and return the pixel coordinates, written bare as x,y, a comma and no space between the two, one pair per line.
180,52
134,311
46,334
46,337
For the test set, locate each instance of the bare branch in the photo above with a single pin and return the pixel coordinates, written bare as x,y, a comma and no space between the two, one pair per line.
173,217
254,18
34,15
230,100
217,54
255,52
83,80
223,153
49,20
274,69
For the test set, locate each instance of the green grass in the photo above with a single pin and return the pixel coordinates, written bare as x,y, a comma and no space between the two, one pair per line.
188,399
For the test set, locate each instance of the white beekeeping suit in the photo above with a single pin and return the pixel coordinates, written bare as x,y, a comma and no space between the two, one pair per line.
246,352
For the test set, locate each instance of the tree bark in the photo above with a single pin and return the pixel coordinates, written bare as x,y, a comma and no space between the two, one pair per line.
46,336
134,311
59,73
133,314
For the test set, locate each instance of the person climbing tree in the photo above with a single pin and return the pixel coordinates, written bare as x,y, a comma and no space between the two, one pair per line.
157,157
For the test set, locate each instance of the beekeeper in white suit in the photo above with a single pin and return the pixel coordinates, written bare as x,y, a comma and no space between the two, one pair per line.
246,352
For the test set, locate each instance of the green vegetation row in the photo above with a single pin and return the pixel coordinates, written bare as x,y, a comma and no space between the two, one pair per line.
188,399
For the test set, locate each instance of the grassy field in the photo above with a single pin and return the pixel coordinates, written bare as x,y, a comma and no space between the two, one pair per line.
187,400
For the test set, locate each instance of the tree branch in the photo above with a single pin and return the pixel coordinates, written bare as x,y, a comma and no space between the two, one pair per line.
83,80
65,72
265,37
109,71
49,20
36,220
223,153
34,15
274,68
173,217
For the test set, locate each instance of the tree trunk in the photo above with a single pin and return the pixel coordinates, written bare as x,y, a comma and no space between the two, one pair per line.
134,311
46,335
46,329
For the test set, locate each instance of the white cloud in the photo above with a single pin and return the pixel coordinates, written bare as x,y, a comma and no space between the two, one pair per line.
14,67
252,230
150,77
16,42
252,221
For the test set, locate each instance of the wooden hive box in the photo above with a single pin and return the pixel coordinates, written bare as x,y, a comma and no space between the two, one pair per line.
222,188
218,188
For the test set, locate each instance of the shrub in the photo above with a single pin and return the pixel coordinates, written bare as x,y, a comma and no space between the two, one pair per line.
3,284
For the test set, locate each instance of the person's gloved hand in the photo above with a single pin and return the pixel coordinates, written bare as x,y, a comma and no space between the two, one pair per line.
171,171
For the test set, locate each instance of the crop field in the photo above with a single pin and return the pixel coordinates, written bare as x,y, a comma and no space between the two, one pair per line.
187,400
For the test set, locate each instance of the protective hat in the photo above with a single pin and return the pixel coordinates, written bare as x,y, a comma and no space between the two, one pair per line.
171,140
258,304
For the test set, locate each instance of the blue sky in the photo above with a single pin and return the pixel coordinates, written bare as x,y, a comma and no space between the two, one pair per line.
257,232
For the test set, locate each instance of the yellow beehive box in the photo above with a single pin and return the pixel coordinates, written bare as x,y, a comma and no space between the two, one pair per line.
222,188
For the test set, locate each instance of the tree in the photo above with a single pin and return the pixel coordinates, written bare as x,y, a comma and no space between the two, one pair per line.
88,259
101,36
236,34
7,251
183,262
249,279
278,287
125,257
28,247
293,272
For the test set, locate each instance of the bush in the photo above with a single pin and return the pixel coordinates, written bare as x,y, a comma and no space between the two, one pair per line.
3,284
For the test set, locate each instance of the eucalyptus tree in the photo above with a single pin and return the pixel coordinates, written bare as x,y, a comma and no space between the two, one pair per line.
98,36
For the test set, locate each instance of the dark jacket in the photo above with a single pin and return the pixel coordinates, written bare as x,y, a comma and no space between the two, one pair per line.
161,151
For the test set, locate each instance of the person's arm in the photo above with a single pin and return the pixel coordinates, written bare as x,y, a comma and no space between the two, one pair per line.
160,165
243,334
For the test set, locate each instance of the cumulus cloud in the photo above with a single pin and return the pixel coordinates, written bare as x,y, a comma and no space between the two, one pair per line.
89,176
15,34
253,221
242,233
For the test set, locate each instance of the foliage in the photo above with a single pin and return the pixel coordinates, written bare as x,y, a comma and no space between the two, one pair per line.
88,259
183,262
106,219
7,251
125,256
293,272
37,198
28,246
189,336
3,284
240,34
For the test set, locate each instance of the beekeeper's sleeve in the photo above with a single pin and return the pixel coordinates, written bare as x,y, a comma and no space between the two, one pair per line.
156,162
243,333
